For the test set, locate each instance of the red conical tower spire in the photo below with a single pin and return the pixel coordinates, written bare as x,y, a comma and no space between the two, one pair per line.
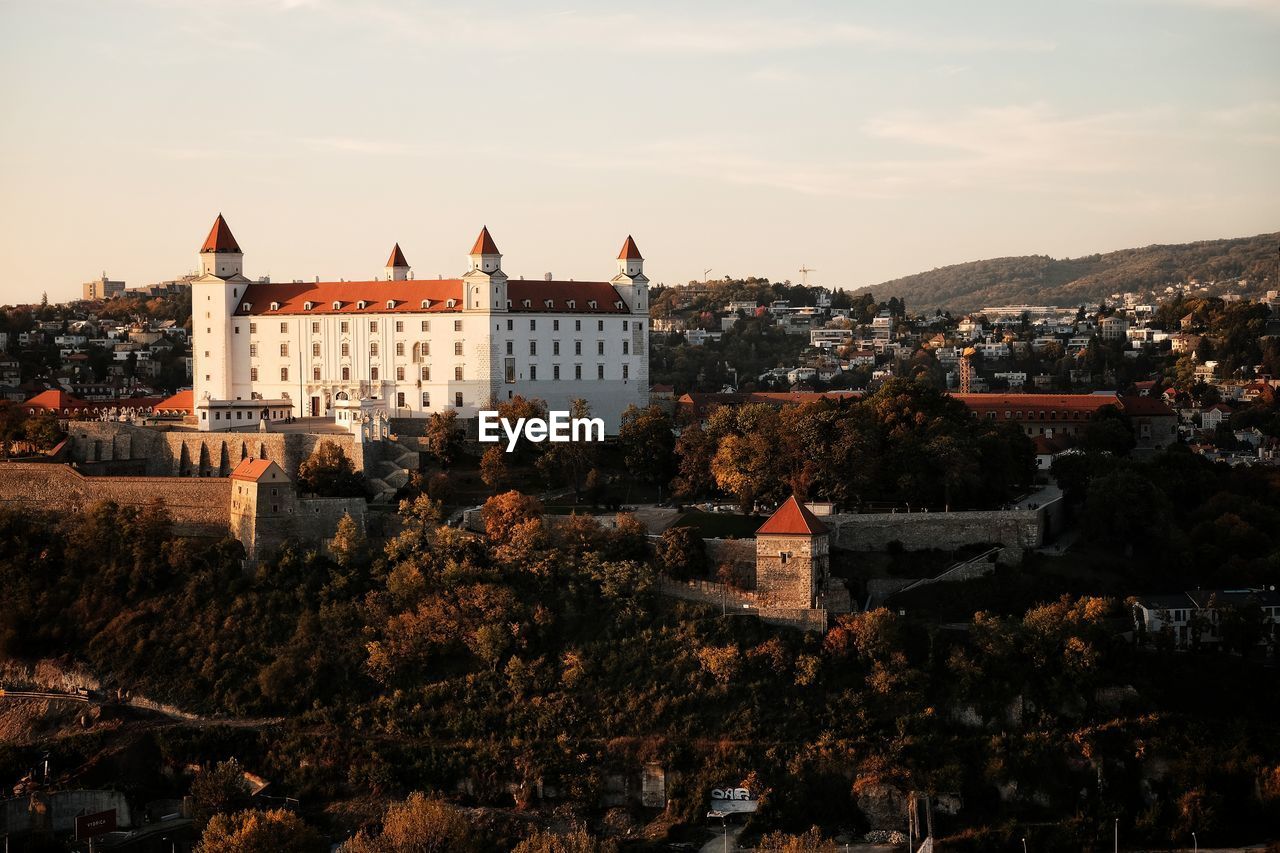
220,238
484,244
630,252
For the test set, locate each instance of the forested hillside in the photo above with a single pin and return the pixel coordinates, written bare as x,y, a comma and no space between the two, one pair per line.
1042,280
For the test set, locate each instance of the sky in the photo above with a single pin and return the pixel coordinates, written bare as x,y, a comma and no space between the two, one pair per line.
864,140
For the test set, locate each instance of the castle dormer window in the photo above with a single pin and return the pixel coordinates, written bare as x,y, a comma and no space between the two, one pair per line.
336,305
361,305
550,303
307,306
591,303
452,303
426,303
618,304
527,303
275,306
248,306
391,303
572,303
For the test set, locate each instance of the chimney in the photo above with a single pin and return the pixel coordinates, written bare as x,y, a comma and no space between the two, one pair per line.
547,277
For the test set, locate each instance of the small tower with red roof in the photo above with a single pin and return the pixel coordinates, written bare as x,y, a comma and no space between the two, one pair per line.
220,255
630,282
485,284
793,557
397,268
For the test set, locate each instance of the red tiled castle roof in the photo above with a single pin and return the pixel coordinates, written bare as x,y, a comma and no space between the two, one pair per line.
792,519
220,238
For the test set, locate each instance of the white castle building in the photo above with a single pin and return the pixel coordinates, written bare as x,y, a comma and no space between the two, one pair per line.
265,351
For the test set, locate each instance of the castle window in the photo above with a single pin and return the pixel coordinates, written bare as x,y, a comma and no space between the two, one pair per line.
533,325
457,325
509,322
426,373
577,347
373,374
275,306
599,323
533,347
346,374
237,328
572,303
315,374
426,399
346,350
599,347
344,326
426,303
253,351
533,373
426,348
599,371
308,305
555,372
526,303
399,347
555,347
426,325
618,304
550,303
577,371
373,348
336,306
315,350
457,400
373,326
400,374
361,305
284,374
626,371
592,304
457,373
253,374
399,325
253,328
626,347
624,325
315,328
284,348
509,345
450,303
391,303
577,325
783,557
457,347
555,325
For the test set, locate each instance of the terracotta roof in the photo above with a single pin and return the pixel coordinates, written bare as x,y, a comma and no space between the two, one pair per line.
484,244
1145,407
397,258
629,251
183,401
408,297
1048,402
220,238
792,518
582,293
58,401
252,469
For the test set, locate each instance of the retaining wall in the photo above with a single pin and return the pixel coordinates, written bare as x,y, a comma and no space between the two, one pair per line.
198,505
1017,530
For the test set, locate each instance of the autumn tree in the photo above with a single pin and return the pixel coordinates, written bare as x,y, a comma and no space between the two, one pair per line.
420,824
329,473
683,553
503,513
350,546
277,831
493,468
219,790
575,840
442,436
648,444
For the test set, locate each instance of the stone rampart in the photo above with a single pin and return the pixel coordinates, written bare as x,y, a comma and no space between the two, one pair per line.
182,453
198,506
1017,530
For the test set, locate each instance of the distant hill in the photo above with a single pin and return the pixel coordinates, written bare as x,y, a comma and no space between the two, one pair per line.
1041,280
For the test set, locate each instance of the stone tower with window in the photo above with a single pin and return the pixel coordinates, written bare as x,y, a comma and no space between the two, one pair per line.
263,505
793,562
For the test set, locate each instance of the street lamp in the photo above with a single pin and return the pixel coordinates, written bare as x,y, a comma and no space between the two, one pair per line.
1024,844
1195,842
1117,837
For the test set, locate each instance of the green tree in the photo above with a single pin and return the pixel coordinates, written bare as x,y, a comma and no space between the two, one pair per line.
683,553
648,444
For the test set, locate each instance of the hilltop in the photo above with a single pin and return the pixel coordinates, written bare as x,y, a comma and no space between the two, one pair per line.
1042,280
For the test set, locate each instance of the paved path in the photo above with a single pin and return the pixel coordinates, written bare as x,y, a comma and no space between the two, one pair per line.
717,844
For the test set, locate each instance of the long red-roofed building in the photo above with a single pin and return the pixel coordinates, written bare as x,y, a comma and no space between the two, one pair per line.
416,345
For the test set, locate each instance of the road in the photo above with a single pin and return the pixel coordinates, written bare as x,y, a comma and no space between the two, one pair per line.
717,844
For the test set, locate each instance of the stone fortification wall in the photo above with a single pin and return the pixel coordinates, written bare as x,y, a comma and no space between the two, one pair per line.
1016,530
202,454
198,506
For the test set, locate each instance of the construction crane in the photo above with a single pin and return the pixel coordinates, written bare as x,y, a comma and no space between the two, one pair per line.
804,274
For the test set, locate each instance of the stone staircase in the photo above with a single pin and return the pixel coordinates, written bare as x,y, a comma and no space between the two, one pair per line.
391,473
